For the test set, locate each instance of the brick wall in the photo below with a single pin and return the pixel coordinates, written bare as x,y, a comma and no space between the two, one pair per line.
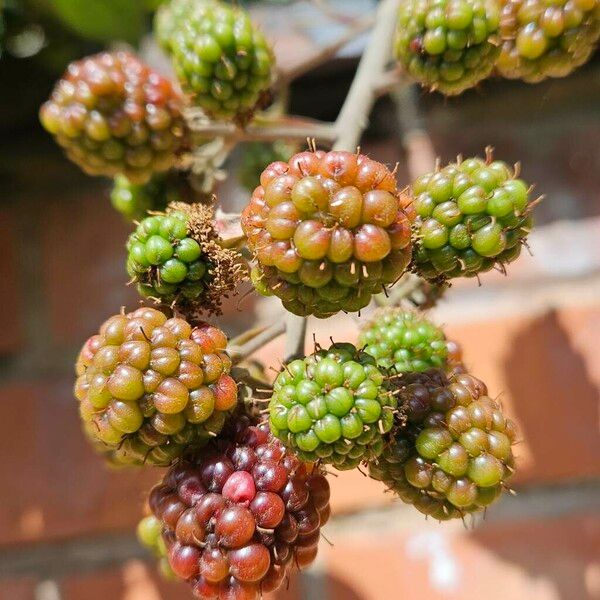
66,521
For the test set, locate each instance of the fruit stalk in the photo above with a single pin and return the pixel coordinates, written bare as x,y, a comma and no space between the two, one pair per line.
350,124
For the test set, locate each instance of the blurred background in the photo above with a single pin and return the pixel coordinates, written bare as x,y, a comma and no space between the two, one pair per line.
66,521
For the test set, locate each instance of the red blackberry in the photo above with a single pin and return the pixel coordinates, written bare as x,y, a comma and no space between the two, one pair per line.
452,452
149,387
328,229
240,515
114,115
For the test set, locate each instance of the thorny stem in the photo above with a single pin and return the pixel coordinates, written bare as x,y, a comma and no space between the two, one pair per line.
351,123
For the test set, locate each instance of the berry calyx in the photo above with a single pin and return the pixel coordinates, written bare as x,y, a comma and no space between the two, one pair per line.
328,230
403,341
451,451
150,387
472,215
113,115
448,45
219,56
332,406
240,514
177,257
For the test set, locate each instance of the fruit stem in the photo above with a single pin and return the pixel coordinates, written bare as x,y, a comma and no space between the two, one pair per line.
239,352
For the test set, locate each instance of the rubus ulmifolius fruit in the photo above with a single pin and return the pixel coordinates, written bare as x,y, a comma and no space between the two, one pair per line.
237,518
328,230
451,451
221,59
149,534
257,156
177,256
473,215
403,341
113,115
543,38
150,387
448,45
333,407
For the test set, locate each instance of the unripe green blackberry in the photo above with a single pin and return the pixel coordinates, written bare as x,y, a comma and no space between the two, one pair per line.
453,452
257,156
546,38
332,406
149,531
219,56
472,215
169,17
404,341
149,387
176,257
113,115
448,45
328,230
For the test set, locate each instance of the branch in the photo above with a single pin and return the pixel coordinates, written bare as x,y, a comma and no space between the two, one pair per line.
284,128
350,124
239,352
323,54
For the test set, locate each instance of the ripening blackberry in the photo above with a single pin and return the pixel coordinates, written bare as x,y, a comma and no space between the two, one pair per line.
448,45
238,517
219,56
257,156
176,257
332,406
546,38
403,341
113,115
149,387
149,531
454,453
328,230
472,215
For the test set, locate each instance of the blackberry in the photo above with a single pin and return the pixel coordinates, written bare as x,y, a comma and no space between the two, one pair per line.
238,517
328,230
454,452
403,341
149,387
149,531
176,257
332,406
113,115
448,45
257,156
221,59
543,38
472,215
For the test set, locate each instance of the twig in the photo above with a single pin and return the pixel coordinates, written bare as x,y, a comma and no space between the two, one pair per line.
351,123
323,54
238,353
285,128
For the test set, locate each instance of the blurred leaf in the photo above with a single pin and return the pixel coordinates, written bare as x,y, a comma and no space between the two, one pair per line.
103,20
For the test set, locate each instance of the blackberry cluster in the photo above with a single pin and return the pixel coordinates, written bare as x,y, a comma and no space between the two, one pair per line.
240,516
149,531
403,341
150,387
454,453
114,115
546,38
176,256
218,55
472,215
332,406
329,230
448,45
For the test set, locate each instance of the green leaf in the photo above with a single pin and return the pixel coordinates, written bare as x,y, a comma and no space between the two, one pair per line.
103,20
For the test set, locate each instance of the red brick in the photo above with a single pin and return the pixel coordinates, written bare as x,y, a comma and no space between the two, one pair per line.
537,560
11,315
